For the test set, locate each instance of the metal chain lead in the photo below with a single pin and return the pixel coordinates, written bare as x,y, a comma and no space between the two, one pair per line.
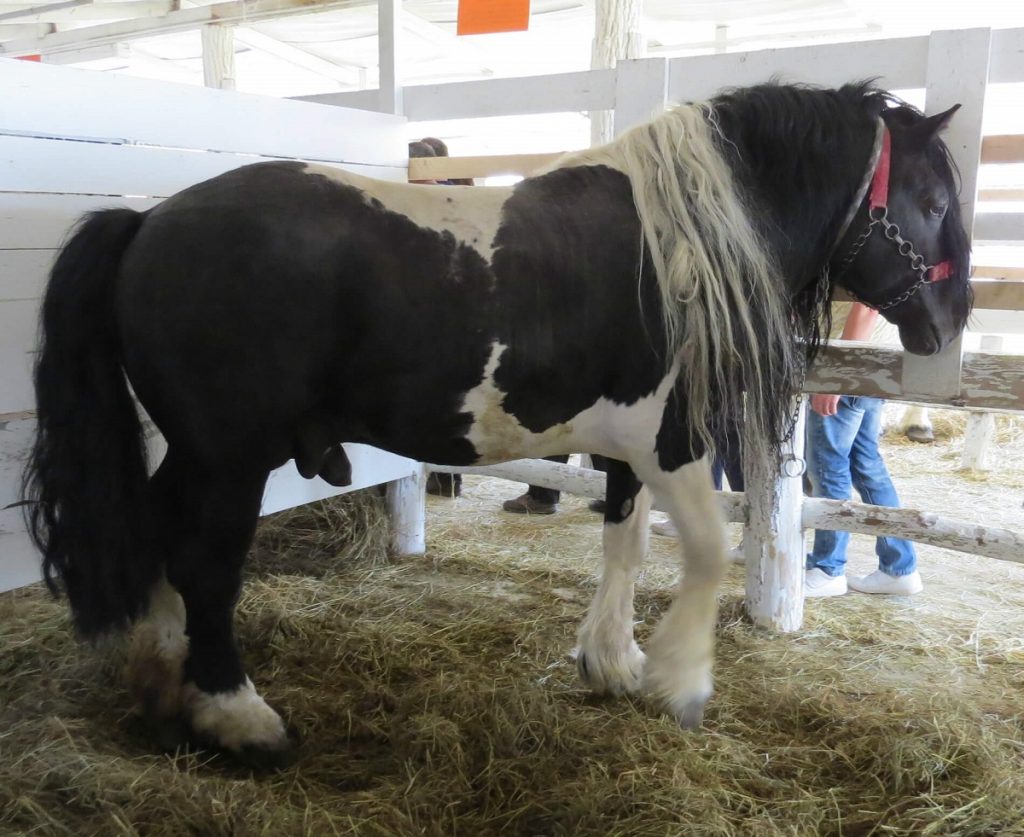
905,248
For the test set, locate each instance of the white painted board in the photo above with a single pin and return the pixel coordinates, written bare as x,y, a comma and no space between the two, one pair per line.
47,100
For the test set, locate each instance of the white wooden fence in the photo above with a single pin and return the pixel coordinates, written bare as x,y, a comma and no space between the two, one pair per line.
75,140
952,67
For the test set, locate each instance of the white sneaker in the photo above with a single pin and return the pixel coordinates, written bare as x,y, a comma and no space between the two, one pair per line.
888,585
818,584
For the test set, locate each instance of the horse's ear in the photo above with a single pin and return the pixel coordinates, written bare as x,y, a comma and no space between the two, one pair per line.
932,126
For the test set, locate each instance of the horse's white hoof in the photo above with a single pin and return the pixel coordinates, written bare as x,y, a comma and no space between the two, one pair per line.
612,674
239,722
683,694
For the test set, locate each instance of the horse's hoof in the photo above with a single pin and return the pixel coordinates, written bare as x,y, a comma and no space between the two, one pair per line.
924,435
691,714
618,675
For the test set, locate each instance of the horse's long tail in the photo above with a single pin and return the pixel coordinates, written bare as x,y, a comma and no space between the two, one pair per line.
86,477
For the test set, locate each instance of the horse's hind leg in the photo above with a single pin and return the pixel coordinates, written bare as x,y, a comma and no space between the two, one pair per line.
609,659
212,517
681,652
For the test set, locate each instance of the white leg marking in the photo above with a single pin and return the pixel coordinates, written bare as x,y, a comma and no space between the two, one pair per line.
609,659
157,653
681,652
236,719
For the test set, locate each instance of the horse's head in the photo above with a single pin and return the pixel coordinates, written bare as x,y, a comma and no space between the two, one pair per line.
906,251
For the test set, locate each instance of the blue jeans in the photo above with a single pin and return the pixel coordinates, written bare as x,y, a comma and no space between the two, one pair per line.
842,451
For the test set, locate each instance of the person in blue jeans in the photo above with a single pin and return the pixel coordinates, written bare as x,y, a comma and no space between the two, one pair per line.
843,453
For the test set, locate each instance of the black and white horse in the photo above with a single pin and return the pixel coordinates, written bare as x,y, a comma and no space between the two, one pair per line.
625,302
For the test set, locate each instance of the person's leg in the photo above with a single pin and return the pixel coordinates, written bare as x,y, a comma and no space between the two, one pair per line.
444,485
537,500
896,557
829,440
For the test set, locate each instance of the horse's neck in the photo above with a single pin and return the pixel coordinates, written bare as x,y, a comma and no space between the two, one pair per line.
802,192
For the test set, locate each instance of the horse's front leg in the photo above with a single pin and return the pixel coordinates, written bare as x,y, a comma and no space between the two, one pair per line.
609,660
681,651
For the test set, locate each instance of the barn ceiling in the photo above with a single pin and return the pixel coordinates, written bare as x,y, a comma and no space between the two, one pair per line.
282,52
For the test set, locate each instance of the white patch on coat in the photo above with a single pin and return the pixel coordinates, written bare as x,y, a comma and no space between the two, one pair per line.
606,427
236,719
157,652
471,214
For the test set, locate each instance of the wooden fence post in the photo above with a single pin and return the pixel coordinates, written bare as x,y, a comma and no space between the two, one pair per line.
407,508
773,539
957,74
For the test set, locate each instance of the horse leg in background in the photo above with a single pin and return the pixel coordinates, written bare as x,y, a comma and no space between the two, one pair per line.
609,660
210,516
916,425
681,651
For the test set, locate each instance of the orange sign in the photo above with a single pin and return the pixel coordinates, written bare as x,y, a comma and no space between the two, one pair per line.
478,17
30,57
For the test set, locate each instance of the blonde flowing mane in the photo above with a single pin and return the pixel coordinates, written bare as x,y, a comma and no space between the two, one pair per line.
726,312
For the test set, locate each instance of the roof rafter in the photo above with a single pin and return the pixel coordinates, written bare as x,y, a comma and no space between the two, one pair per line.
238,12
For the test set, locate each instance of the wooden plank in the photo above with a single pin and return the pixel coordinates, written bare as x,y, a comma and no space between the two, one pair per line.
444,168
18,332
917,526
407,508
41,221
557,93
178,20
23,274
54,166
1007,64
897,63
44,100
999,194
773,539
957,73
641,91
370,466
999,226
1001,149
389,51
995,293
989,381
999,294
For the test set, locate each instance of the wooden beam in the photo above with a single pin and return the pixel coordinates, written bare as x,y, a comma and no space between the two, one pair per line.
236,11
82,11
445,168
1000,274
917,526
999,226
1003,148
218,56
998,194
389,51
1001,294
988,381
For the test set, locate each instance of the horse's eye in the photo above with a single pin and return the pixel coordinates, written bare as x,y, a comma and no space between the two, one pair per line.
938,210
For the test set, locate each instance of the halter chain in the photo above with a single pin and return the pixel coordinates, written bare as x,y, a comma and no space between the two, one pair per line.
878,216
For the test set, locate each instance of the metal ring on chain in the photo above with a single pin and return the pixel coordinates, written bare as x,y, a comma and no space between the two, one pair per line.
793,465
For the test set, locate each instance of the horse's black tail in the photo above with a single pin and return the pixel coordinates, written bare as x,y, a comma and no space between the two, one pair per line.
86,476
